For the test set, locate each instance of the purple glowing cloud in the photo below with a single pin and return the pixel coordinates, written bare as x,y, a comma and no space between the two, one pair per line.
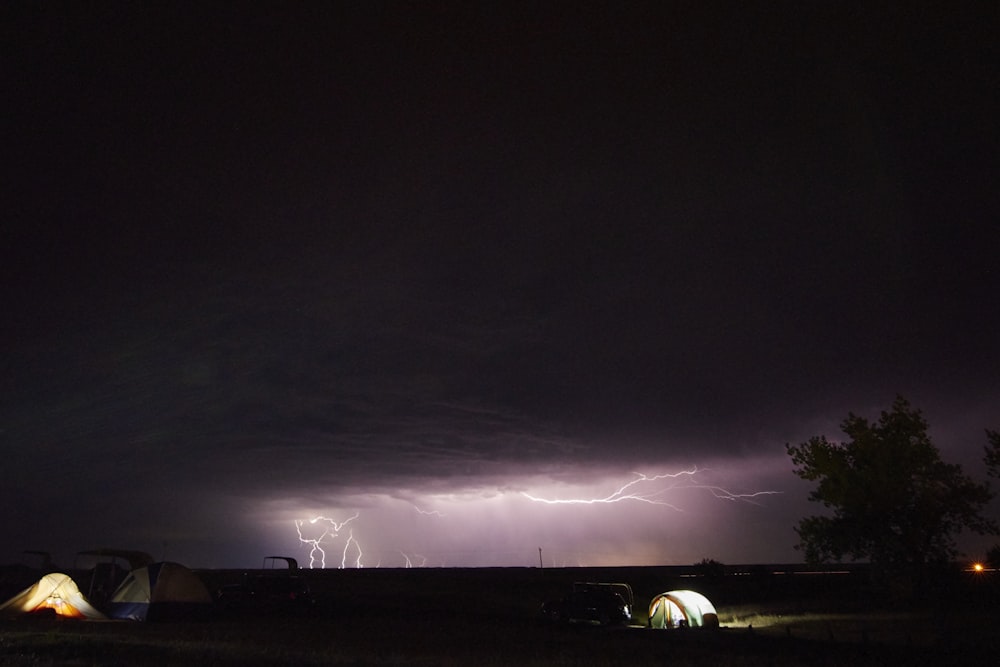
504,525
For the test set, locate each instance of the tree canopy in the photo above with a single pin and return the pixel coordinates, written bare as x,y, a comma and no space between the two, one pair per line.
992,457
894,502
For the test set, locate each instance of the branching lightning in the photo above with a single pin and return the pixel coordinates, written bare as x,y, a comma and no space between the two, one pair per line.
331,529
347,545
408,562
648,489
352,553
661,489
427,512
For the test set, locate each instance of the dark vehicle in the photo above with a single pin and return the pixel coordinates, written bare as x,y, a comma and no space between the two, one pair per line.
595,602
269,590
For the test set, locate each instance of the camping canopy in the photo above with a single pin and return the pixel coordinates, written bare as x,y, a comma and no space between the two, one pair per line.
55,591
675,609
160,591
134,558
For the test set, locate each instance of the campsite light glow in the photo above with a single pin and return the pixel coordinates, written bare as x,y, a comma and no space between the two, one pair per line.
650,489
331,529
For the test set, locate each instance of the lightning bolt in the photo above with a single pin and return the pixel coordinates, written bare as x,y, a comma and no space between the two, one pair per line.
639,490
316,551
347,545
428,513
409,561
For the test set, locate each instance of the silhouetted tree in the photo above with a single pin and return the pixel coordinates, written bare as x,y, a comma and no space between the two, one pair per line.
894,502
710,568
993,556
992,457
992,460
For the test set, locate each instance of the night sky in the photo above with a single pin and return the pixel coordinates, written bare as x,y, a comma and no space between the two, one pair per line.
428,265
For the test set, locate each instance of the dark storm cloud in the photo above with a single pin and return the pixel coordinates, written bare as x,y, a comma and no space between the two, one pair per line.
298,255
252,370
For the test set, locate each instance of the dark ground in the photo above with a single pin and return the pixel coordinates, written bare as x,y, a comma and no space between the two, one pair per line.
490,617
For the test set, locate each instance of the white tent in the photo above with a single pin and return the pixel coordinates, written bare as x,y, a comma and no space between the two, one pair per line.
676,609
160,591
55,591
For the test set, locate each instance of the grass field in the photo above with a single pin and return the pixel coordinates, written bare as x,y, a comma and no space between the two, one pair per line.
490,617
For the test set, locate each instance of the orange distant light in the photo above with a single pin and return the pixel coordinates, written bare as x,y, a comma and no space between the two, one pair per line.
978,567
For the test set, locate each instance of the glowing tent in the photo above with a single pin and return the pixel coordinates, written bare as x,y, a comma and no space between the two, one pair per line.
55,591
676,609
160,591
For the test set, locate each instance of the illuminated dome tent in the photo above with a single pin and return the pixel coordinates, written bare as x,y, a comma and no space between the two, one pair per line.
160,591
677,609
55,591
